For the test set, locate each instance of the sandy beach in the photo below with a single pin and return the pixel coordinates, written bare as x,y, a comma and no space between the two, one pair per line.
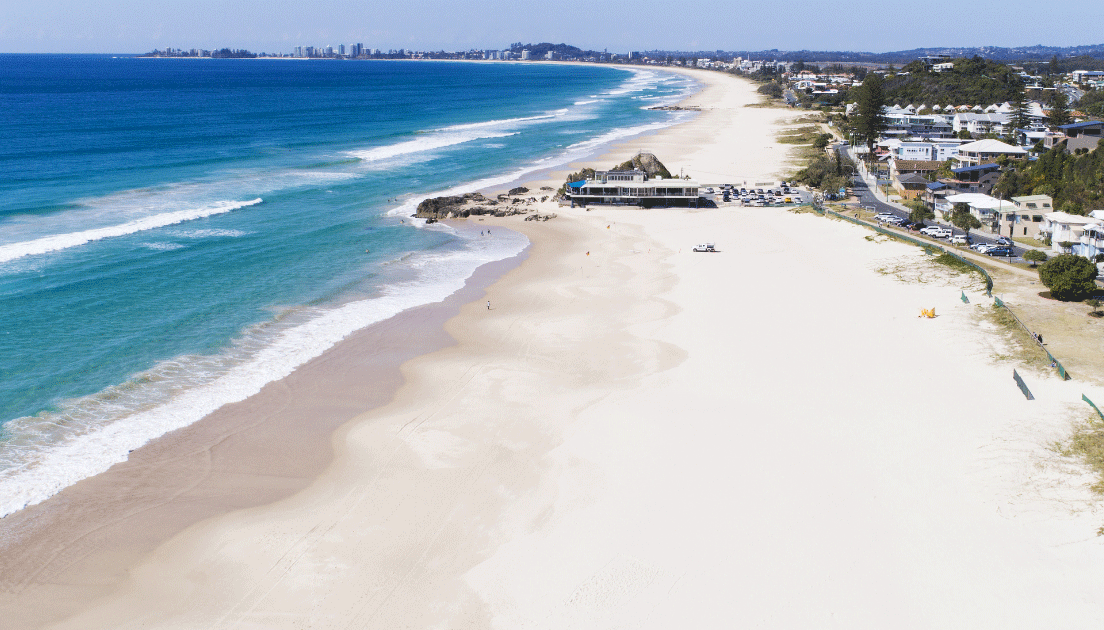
634,435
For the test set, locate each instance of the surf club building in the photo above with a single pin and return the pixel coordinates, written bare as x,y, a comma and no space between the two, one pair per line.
633,188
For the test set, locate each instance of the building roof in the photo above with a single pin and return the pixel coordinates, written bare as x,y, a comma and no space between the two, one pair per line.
934,186
1082,124
1028,198
990,146
988,166
917,165
1065,217
978,200
912,178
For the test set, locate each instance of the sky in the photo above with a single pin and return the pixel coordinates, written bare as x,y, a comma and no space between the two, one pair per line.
128,26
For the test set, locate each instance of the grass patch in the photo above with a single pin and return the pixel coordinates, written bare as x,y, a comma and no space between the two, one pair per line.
801,135
1087,444
957,264
803,210
1030,354
1027,240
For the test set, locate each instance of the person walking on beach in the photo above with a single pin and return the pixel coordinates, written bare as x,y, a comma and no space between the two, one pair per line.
488,305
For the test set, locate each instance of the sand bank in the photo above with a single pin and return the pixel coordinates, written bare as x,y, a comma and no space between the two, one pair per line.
636,435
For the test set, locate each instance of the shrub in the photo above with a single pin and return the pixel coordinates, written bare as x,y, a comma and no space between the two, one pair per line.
1068,277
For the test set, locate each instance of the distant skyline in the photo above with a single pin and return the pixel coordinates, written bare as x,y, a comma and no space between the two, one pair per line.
276,26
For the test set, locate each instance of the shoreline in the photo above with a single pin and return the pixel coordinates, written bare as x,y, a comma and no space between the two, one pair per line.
92,531
640,436
246,454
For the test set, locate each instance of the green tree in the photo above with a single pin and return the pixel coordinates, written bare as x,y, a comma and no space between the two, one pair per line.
920,213
1019,110
1059,110
1069,277
871,120
822,141
964,134
1034,256
962,219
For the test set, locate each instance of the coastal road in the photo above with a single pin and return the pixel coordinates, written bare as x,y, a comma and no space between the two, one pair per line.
869,199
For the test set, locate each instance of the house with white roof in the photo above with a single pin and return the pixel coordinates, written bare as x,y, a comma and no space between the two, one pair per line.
983,151
1062,227
987,209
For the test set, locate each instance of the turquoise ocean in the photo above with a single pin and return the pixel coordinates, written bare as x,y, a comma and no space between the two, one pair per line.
176,233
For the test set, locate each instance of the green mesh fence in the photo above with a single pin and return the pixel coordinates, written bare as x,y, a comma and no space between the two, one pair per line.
1097,409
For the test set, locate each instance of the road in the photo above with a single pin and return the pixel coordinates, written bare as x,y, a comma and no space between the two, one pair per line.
868,199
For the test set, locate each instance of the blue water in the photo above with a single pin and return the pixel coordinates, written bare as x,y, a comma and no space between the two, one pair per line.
175,233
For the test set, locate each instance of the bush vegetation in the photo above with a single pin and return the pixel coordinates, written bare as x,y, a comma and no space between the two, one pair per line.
973,81
1076,182
1069,277
823,173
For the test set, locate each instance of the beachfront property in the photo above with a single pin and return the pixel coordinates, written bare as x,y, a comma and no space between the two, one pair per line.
987,209
1027,216
1070,233
633,188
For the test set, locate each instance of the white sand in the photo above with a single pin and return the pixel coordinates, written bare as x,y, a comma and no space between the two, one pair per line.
647,437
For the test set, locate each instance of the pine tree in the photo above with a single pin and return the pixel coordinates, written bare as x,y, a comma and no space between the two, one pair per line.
1059,110
871,119
1019,109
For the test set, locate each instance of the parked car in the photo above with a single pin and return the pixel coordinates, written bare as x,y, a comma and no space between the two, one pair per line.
937,232
1004,240
960,239
705,247
894,221
999,251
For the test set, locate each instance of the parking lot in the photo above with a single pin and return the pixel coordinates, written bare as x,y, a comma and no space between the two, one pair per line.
757,196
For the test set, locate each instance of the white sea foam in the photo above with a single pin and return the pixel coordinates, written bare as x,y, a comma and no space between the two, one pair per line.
44,454
453,135
208,233
428,142
56,242
162,246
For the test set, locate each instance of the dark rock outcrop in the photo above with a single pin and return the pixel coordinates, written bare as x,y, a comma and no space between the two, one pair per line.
520,190
469,204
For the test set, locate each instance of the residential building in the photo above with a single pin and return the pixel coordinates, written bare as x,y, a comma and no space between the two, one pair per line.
982,151
1026,217
1083,135
1065,230
910,185
633,188
987,209
972,179
980,124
